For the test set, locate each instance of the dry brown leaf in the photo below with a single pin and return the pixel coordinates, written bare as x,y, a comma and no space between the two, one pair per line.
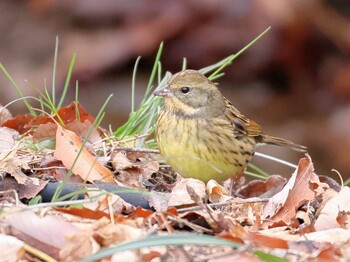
4,115
82,243
315,251
259,188
133,172
159,200
51,230
256,238
149,255
68,146
283,233
248,214
82,129
8,138
19,123
102,233
45,131
55,168
10,163
126,256
120,161
333,236
48,131
180,196
329,214
69,113
107,203
343,219
28,191
302,188
11,248
112,234
241,256
216,192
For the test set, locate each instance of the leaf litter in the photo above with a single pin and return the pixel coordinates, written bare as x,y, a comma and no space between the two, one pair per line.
304,217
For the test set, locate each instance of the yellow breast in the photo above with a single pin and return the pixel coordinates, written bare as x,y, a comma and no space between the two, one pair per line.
201,148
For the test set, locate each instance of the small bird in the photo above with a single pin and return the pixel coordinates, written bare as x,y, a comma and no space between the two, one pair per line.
201,134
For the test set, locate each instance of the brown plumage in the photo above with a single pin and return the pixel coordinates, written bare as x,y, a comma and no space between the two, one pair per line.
201,134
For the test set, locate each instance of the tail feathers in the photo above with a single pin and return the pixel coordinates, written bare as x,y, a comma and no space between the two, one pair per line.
266,139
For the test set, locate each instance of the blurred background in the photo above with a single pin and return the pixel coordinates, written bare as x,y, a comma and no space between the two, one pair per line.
295,81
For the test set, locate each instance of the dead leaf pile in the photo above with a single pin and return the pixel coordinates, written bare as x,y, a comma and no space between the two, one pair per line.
304,217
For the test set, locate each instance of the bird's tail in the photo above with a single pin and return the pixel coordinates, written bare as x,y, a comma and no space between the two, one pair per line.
266,139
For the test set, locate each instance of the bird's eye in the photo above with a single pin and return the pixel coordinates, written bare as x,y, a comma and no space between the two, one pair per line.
185,89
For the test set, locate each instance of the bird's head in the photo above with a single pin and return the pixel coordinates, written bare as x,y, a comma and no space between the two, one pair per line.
191,94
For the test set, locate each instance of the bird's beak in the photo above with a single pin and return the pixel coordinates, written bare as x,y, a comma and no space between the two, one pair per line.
165,92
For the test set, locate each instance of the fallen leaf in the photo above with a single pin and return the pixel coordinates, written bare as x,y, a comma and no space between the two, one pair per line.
180,196
7,139
27,191
135,172
73,112
55,168
148,256
303,187
241,256
256,238
4,115
343,219
68,114
82,243
329,214
102,233
141,212
315,251
11,163
68,146
19,123
107,202
159,200
48,229
216,192
259,188
126,256
335,236
83,128
45,131
83,212
11,248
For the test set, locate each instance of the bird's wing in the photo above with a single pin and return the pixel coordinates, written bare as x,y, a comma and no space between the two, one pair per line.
242,126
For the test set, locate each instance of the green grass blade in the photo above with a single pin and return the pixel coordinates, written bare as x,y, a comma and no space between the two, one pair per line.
255,175
268,257
261,172
154,71
77,114
159,72
133,84
54,72
163,240
233,57
66,85
18,90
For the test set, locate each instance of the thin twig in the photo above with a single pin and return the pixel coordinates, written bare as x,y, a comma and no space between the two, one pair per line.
138,150
230,202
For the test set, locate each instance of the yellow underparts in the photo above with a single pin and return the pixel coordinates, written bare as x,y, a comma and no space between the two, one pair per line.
202,149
